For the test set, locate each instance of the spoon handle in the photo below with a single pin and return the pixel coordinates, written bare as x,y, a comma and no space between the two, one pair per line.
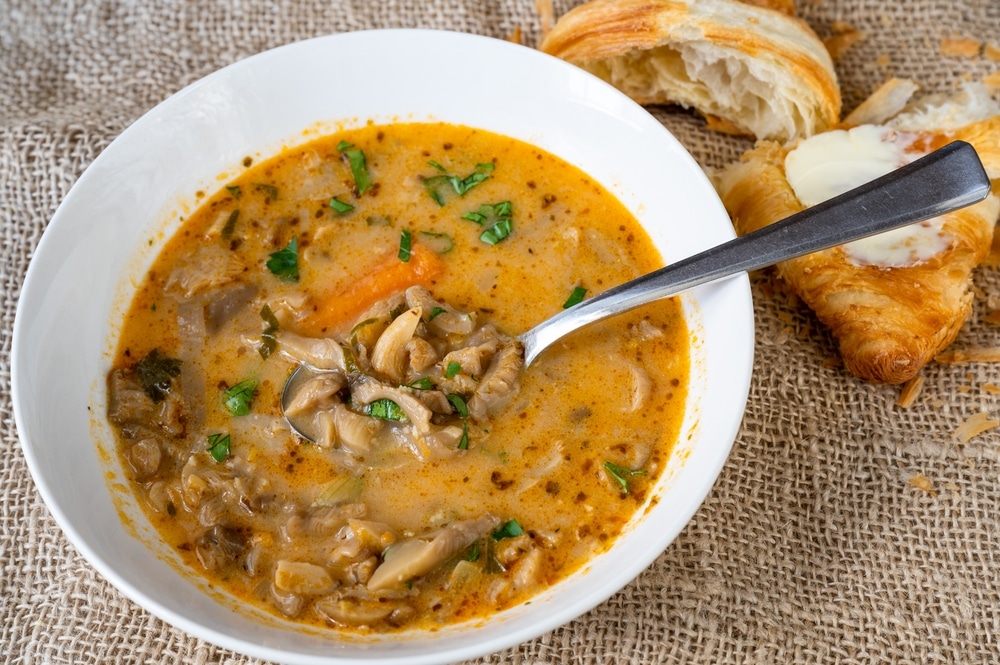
947,179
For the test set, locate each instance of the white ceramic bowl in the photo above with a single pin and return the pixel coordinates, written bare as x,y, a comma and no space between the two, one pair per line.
116,217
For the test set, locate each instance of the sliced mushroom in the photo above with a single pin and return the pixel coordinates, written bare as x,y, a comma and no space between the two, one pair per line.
389,356
419,556
318,392
355,432
441,319
501,381
321,353
302,578
352,611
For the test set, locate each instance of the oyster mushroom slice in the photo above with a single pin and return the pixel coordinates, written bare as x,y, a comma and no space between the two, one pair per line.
390,356
419,556
320,353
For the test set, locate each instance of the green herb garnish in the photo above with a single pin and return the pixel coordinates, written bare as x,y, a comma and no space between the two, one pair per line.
452,370
436,312
509,529
284,263
385,409
359,166
575,298
268,338
445,186
218,447
621,475
235,191
227,230
421,384
463,443
156,373
458,404
472,556
497,217
270,191
340,207
405,242
439,243
497,232
238,398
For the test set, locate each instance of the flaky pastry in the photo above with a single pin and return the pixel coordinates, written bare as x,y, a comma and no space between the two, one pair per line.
749,68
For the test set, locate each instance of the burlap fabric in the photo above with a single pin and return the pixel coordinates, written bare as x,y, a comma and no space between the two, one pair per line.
816,544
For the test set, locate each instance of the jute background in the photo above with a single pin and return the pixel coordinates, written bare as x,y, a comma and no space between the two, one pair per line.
816,544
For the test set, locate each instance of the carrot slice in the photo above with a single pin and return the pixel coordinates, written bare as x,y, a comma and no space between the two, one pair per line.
390,276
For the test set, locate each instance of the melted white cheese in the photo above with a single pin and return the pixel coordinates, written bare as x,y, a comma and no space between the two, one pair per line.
832,163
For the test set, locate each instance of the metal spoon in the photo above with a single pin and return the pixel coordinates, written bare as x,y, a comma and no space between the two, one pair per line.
941,182
947,179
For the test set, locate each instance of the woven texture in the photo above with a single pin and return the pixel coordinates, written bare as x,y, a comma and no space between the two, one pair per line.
814,545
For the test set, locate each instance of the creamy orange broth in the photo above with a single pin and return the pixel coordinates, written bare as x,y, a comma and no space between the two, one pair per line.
611,393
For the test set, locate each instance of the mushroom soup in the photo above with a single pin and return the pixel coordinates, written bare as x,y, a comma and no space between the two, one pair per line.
443,482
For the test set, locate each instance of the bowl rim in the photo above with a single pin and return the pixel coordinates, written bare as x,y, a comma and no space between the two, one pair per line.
736,288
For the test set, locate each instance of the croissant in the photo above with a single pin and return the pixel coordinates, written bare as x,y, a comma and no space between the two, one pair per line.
749,68
890,317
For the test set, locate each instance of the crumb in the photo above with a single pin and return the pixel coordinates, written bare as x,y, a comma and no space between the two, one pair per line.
992,52
911,389
920,481
975,425
844,36
972,354
961,47
991,388
993,317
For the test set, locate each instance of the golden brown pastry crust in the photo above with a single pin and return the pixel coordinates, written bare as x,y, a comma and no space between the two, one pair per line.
755,69
888,322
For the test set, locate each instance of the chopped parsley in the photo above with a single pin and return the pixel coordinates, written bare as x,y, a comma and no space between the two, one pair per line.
436,312
269,191
227,230
497,217
497,232
421,384
452,370
509,529
235,191
621,475
463,443
461,408
284,263
575,298
268,338
439,243
237,399
156,373
385,409
405,243
445,186
340,207
359,166
219,447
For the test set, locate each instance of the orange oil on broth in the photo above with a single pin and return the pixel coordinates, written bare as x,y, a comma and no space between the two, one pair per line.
611,393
